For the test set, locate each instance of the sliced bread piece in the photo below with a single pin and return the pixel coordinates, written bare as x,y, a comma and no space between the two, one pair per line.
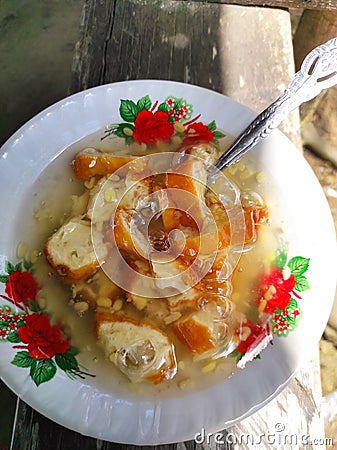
71,253
141,351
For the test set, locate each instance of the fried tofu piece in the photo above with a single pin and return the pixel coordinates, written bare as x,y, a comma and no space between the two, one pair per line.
186,185
172,276
204,150
139,350
136,191
174,218
184,301
240,227
202,331
91,162
127,238
194,334
199,243
71,253
122,232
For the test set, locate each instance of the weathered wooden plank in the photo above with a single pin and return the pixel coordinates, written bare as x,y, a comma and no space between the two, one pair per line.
291,421
289,4
34,431
193,42
89,55
183,34
201,43
143,36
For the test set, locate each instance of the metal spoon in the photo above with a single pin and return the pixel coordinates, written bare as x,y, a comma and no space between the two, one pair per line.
318,72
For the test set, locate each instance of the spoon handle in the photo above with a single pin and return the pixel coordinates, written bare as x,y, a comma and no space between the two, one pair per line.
318,72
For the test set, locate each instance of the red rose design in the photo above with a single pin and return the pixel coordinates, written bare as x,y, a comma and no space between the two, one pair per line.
152,127
21,286
197,132
274,290
44,340
250,335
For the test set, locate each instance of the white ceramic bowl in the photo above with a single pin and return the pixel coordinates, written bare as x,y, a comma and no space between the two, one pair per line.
96,406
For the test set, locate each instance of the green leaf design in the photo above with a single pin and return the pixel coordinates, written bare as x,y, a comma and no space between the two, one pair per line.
18,267
302,283
66,361
42,370
27,265
292,304
298,265
218,135
291,320
144,103
163,107
237,355
33,306
128,110
280,259
3,278
13,337
9,267
177,103
20,323
212,126
120,130
22,359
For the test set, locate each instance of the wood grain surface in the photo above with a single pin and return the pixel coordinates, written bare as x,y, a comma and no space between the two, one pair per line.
235,50
288,4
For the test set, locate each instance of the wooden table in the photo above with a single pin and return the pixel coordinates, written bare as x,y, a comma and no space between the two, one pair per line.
245,53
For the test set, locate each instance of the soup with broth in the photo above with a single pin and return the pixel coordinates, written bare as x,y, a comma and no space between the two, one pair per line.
154,258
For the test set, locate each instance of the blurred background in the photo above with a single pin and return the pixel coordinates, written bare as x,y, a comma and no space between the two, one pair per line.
37,41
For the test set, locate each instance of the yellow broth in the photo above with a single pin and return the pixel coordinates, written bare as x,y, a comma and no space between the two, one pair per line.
48,205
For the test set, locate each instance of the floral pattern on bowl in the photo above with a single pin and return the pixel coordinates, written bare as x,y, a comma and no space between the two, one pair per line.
43,345
277,310
147,122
